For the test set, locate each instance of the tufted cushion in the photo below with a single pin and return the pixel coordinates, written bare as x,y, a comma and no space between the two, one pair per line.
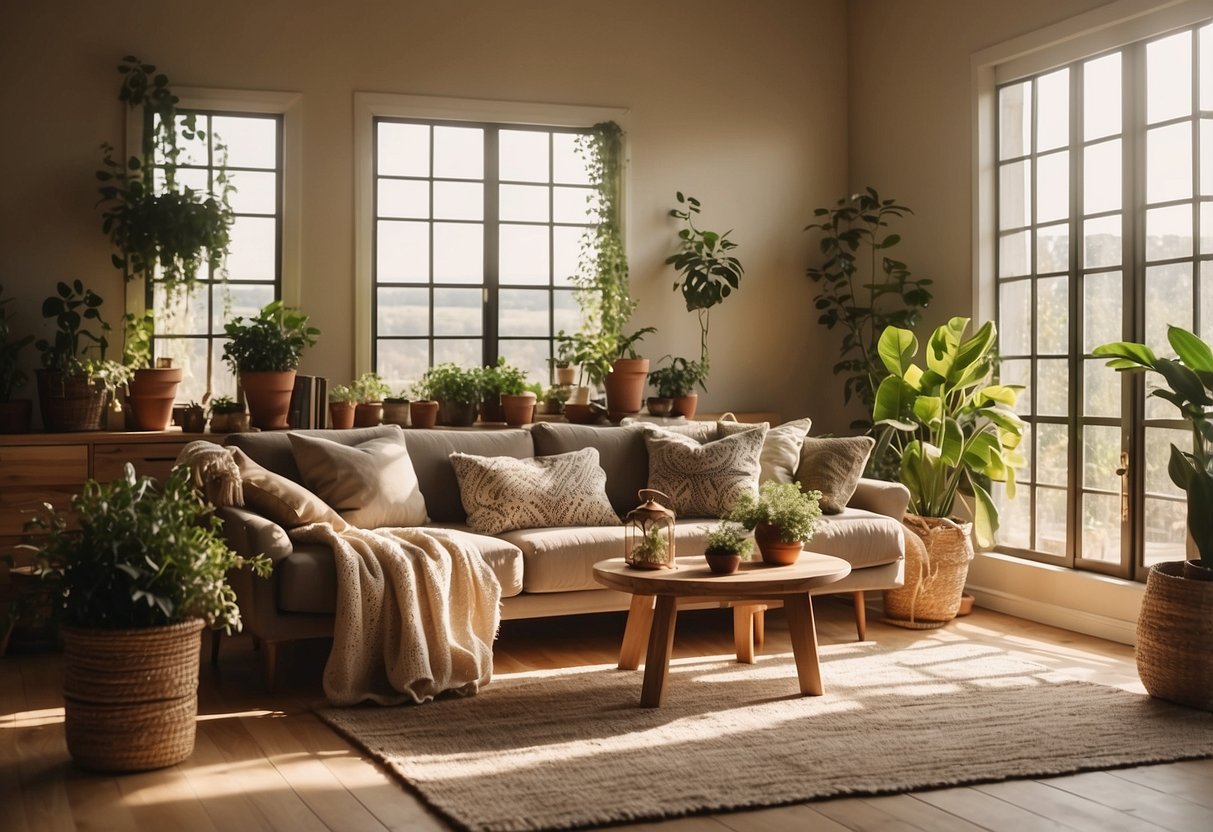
705,480
833,466
277,498
371,485
501,493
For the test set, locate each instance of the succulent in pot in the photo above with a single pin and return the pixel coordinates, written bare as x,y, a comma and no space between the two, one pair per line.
265,351
728,544
14,412
783,518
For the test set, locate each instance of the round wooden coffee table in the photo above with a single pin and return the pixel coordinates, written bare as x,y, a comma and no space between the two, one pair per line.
692,580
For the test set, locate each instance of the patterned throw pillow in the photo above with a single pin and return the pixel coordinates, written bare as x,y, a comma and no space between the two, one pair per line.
502,493
833,466
371,485
705,480
780,450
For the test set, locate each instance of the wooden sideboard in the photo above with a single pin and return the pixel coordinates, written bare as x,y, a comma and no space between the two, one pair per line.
38,468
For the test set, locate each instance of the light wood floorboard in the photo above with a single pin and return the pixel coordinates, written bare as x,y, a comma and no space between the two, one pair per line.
265,762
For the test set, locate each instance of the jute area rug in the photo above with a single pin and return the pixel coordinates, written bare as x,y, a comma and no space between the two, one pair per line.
567,748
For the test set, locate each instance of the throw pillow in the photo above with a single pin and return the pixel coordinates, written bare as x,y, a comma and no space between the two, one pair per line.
282,500
371,485
833,466
705,480
502,493
780,450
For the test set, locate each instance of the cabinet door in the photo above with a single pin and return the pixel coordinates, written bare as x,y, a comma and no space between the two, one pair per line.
31,475
153,459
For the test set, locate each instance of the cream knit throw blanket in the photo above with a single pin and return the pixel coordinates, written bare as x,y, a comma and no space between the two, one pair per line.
417,612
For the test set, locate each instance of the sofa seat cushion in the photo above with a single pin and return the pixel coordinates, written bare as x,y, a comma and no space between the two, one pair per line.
307,577
562,559
861,538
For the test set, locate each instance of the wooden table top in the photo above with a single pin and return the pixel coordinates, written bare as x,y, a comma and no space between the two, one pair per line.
691,576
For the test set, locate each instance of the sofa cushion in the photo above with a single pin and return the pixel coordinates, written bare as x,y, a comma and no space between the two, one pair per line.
502,493
861,538
272,448
371,485
562,559
780,449
833,466
282,500
704,480
430,451
621,453
307,578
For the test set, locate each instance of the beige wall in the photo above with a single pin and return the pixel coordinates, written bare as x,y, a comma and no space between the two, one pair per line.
742,105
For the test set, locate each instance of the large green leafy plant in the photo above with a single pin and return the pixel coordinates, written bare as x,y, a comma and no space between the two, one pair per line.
1189,379
862,289
949,426
78,347
143,555
274,340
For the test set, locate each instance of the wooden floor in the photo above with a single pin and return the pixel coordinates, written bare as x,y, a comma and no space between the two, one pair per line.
265,762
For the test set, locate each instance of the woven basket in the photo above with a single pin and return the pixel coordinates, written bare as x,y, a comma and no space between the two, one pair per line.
1175,637
938,551
131,696
70,403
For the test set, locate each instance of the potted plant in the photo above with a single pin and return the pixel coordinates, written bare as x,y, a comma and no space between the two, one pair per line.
162,231
950,429
142,575
677,383
783,518
265,351
14,413
564,364
228,416
342,401
629,371
727,546
369,391
76,379
193,418
152,389
553,399
458,392
498,381
396,409
1174,648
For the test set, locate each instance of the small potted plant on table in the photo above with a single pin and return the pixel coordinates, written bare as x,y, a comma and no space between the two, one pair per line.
502,385
675,384
152,389
228,416
782,517
341,407
423,408
458,392
728,545
265,351
369,392
396,409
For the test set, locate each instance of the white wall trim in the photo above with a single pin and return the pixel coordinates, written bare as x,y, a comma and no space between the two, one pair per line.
368,105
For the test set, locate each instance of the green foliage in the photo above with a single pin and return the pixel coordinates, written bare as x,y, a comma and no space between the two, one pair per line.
162,231
401,397
144,556
501,377
274,340
679,378
342,393
949,426
652,547
729,538
12,377
69,351
226,404
863,290
1189,386
137,345
783,506
369,387
452,384
708,274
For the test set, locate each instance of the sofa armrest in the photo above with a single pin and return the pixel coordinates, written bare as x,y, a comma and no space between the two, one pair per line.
251,534
888,498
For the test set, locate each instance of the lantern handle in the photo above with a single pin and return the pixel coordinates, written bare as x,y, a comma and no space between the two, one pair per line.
647,494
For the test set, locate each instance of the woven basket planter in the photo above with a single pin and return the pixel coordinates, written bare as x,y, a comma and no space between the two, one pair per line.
70,403
1175,637
131,696
938,551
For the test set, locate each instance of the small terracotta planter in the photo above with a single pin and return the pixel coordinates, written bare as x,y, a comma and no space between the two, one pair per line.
625,387
492,408
566,376
341,415
774,550
685,406
519,409
723,563
268,394
151,393
368,414
423,414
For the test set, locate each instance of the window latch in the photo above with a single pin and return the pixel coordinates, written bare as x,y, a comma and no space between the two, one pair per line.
1123,473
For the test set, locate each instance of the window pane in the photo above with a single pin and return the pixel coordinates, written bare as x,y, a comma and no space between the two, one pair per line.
464,352
523,312
189,354
1014,517
1102,310
404,149
566,245
1168,232
403,312
1052,248
401,363
402,251
1169,77
1018,371
404,198
523,155
1169,163
1206,157
574,205
1168,301
1101,97
1101,389
1206,228
1053,187
1101,456
1014,195
1013,254
1053,110
252,141
1102,242
1158,456
458,312
568,166
529,356
1101,527
1014,120
1015,318
1206,67
253,254
1101,190
256,193
1053,316
1051,521
524,255
566,314
458,201
524,203
458,252
459,152
1166,530
238,300
223,380
187,313
1206,300
1052,392
195,151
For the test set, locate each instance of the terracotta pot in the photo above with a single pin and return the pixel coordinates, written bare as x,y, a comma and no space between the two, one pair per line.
625,387
423,414
492,408
396,413
15,415
368,414
685,406
566,376
519,409
457,414
230,421
70,403
723,563
193,420
658,406
774,550
268,394
151,394
341,415
1175,637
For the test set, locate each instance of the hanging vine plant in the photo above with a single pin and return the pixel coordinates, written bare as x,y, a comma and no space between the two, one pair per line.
162,231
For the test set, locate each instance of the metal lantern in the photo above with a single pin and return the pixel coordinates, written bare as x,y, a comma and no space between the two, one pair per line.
649,533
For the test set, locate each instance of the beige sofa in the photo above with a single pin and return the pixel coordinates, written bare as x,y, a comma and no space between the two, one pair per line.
543,572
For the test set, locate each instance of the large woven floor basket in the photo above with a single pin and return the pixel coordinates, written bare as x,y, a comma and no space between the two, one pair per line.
131,696
938,551
1175,637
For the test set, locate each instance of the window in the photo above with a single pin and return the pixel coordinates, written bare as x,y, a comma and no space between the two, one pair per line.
1104,216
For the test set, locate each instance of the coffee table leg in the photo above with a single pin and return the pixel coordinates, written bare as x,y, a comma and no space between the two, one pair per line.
799,612
661,643
636,632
